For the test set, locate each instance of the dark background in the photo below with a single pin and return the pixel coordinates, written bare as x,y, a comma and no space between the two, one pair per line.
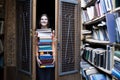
46,7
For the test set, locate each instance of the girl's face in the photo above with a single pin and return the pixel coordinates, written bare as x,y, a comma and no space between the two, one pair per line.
44,21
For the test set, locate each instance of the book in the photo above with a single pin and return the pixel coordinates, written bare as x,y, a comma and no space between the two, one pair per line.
91,71
117,54
44,33
45,47
47,66
46,60
116,58
103,6
83,3
44,43
45,40
108,5
117,65
45,56
110,50
44,30
98,76
115,73
110,23
118,28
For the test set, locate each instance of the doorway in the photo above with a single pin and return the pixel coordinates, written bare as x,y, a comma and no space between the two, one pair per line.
46,7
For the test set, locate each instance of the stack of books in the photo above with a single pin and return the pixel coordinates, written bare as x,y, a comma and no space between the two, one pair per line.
45,47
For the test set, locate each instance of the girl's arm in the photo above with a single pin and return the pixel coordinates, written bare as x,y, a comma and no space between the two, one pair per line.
53,45
36,51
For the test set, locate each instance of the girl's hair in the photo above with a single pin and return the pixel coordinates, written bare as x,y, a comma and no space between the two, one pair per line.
40,19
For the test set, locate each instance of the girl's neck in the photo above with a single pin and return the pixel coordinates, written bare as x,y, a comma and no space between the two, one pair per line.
44,27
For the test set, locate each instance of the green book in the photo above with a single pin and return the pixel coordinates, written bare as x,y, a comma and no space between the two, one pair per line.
117,54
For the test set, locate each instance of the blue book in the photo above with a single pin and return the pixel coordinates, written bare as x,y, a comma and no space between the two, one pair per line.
116,73
99,77
43,57
110,20
44,50
47,47
45,40
103,6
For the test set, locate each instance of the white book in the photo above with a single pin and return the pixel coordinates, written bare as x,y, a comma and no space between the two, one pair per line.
118,23
91,71
83,3
44,30
107,5
116,58
110,4
44,33
101,34
90,11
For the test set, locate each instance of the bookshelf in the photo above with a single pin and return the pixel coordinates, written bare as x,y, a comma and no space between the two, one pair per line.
101,36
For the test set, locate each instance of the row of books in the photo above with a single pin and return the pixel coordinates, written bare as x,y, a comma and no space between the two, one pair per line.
45,47
116,69
117,28
98,9
91,73
45,40
46,60
99,57
100,33
108,30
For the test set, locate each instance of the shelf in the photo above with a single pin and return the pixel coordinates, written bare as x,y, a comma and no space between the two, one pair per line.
100,68
116,44
97,41
115,10
86,32
91,2
108,17
98,19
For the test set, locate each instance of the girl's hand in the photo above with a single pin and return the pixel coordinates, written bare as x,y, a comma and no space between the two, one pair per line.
39,62
53,61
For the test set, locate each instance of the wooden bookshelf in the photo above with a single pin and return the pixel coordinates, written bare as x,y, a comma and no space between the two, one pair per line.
97,41
101,69
95,20
116,10
88,24
91,2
